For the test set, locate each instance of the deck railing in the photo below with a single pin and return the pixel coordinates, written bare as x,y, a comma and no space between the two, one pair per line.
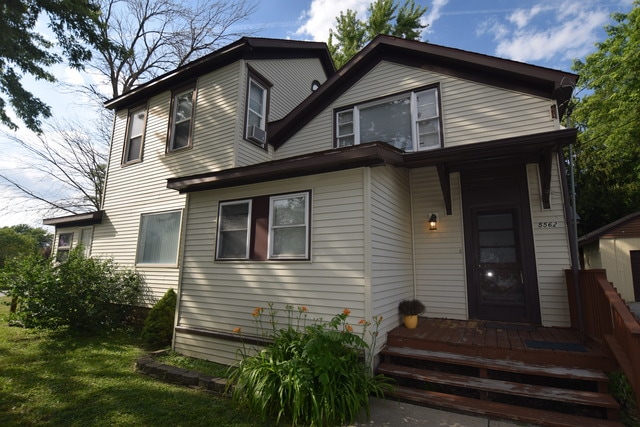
607,320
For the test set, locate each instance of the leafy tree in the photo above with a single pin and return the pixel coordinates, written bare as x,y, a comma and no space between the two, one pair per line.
20,240
137,41
352,34
607,155
25,51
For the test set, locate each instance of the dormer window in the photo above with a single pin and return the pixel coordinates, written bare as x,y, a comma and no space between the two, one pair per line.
408,121
256,110
181,119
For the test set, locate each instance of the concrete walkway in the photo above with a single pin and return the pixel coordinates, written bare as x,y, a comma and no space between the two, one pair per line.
389,413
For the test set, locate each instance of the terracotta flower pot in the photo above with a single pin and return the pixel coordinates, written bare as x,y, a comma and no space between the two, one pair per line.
411,321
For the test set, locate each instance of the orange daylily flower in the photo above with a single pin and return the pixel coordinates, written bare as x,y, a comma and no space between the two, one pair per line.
349,328
346,312
237,330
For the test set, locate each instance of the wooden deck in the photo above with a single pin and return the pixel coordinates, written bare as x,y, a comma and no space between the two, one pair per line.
523,342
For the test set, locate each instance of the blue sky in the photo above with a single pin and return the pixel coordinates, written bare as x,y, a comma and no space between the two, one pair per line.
541,32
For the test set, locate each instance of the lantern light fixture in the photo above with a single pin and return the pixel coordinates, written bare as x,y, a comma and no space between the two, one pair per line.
433,222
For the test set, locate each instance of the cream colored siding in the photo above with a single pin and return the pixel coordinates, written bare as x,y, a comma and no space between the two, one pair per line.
471,112
391,243
291,83
613,254
291,80
215,126
551,248
221,295
439,254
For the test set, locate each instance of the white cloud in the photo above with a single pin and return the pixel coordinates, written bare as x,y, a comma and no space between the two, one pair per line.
433,13
542,33
321,16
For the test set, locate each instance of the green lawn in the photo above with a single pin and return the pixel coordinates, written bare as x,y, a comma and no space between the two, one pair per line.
54,379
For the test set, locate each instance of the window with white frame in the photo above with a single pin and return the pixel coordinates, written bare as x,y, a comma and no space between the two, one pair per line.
256,114
233,230
409,121
159,238
289,226
181,120
65,240
135,136
86,238
264,227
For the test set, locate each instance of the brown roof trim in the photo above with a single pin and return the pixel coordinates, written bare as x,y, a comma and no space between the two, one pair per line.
244,48
540,81
525,148
596,234
370,154
77,220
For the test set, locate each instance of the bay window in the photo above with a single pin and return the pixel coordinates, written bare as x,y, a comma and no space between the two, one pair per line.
409,121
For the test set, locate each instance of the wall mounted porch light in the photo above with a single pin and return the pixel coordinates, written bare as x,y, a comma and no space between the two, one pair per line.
433,222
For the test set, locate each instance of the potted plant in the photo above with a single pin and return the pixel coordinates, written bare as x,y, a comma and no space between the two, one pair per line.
411,309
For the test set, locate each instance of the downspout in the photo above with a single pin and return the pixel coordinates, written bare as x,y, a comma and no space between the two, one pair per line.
572,215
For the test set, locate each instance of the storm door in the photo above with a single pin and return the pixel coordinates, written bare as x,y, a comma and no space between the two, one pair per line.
501,275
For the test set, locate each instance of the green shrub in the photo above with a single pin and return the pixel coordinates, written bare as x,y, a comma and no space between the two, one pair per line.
80,293
158,326
621,389
317,375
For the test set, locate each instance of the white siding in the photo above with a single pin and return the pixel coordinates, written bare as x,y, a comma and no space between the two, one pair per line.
613,254
222,295
551,248
391,243
471,112
439,254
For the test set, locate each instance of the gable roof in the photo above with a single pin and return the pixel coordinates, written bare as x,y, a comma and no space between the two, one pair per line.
244,48
627,226
518,76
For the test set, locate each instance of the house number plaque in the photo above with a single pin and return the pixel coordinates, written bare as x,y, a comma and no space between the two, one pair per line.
548,224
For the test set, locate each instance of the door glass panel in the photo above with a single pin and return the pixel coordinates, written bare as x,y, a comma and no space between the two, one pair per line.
498,270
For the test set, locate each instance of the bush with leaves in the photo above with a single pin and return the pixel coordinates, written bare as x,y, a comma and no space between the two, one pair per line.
158,326
81,293
317,375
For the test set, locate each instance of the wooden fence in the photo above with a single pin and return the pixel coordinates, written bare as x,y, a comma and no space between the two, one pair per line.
607,320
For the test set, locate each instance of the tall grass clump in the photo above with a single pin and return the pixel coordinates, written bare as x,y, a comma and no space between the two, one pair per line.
311,375
80,293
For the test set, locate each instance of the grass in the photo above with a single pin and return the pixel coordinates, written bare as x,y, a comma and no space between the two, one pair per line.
55,378
203,366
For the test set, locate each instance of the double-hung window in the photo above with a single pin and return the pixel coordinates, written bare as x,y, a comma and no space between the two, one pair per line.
135,136
289,226
181,120
159,238
264,227
65,240
256,111
409,121
233,230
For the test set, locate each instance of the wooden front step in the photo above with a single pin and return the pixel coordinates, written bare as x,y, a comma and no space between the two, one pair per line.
501,388
499,410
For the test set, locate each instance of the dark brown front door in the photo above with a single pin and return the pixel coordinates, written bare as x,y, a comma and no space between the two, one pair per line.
635,272
502,284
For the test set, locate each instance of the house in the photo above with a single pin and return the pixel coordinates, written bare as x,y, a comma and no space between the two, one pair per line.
615,247
259,175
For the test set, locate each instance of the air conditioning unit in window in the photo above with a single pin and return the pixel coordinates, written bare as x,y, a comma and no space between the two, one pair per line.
256,134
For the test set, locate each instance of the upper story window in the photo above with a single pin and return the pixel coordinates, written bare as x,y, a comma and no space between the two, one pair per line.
256,110
135,136
159,238
65,240
181,119
264,227
409,121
